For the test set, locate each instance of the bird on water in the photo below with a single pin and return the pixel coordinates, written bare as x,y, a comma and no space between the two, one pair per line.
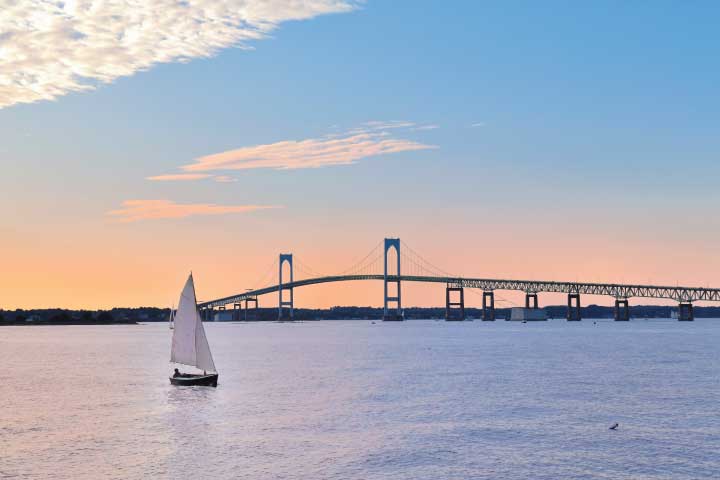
614,426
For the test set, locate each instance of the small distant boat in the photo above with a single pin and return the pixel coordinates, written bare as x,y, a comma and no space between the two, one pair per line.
171,320
189,342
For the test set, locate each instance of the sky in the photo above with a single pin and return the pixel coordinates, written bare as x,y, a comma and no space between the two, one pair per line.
141,140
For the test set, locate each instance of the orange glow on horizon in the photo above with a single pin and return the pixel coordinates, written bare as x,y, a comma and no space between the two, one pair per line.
121,267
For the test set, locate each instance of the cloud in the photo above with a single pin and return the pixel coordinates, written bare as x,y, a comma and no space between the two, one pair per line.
341,148
338,149
52,48
478,124
186,177
178,177
224,179
382,125
137,210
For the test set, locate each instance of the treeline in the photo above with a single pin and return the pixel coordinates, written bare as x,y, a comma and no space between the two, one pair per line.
152,314
57,316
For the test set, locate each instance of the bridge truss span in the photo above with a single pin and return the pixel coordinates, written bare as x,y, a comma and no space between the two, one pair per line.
680,294
618,291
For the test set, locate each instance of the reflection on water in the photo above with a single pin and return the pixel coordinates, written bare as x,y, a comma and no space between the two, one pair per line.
352,400
185,397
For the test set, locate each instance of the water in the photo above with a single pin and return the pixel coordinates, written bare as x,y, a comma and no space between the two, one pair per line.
353,400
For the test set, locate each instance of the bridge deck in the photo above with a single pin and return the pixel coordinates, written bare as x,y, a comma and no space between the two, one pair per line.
680,294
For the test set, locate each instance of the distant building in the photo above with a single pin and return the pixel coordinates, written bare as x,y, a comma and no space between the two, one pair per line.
527,314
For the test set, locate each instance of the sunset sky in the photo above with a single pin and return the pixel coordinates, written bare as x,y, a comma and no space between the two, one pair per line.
140,140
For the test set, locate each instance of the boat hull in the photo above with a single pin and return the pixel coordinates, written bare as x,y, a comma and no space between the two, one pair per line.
188,379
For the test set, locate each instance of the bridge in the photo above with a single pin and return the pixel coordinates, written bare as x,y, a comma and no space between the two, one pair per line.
375,266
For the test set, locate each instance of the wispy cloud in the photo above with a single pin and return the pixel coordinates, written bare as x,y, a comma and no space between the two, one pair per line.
187,177
174,177
51,48
137,210
224,179
383,125
478,124
370,140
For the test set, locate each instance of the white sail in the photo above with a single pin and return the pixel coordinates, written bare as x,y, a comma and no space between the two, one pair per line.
189,342
202,349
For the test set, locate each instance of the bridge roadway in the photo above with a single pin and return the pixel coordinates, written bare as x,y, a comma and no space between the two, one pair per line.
619,291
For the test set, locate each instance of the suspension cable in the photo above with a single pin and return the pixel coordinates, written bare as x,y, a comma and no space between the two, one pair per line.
305,268
267,275
363,263
422,263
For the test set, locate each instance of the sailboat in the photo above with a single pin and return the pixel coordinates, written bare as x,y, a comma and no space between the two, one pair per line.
189,342
172,317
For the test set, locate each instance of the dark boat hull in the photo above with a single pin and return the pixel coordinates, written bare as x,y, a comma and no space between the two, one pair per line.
188,379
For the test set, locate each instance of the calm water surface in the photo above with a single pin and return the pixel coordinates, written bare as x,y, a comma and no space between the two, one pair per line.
353,400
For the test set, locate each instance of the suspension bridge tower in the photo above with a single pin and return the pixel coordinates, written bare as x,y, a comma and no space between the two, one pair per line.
390,313
282,302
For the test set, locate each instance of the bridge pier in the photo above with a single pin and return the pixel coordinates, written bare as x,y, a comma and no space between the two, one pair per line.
254,300
488,306
685,312
285,257
392,314
531,300
454,311
573,312
622,310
